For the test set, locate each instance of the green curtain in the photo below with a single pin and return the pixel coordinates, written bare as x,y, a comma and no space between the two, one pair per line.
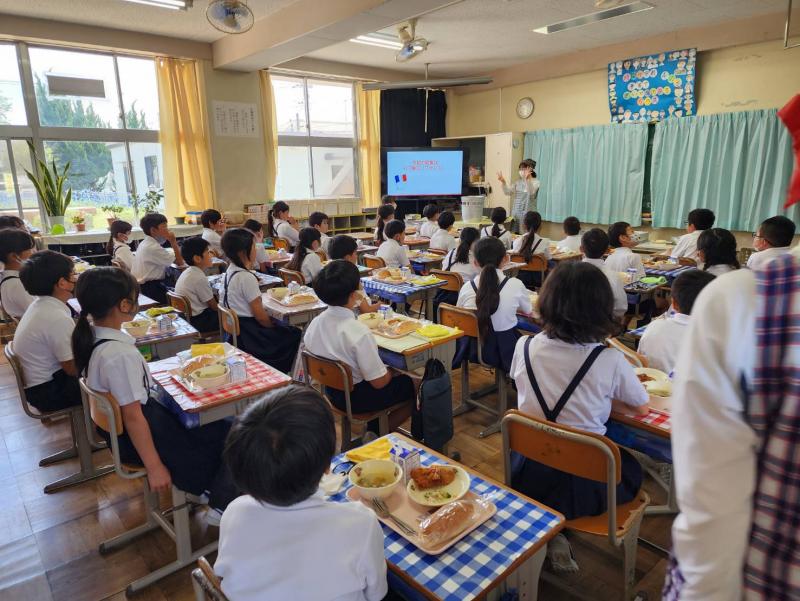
736,164
594,173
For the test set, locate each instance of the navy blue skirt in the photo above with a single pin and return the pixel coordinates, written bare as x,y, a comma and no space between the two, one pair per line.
444,296
276,346
497,351
207,321
59,393
155,289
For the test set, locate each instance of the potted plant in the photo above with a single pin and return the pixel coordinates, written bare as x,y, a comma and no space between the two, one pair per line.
79,221
49,184
147,203
112,212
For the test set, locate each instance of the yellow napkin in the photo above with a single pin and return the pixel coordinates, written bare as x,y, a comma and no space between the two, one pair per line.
213,348
433,330
425,281
156,311
378,449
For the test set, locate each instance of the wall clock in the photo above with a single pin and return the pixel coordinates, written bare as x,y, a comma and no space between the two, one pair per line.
525,107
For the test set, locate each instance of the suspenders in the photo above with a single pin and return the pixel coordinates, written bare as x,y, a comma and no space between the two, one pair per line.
145,379
503,283
552,414
227,283
3,281
488,233
452,260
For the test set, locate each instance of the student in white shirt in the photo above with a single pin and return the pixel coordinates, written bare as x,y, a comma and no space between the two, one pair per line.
191,458
697,221
321,222
662,341
151,260
498,230
594,245
282,539
117,245
572,233
773,239
305,258
497,299
442,239
262,258
431,226
385,215
532,244
213,227
461,261
282,225
42,338
716,251
193,284
265,339
566,375
16,246
346,248
392,251
622,240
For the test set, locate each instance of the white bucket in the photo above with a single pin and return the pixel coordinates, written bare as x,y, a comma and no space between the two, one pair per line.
472,208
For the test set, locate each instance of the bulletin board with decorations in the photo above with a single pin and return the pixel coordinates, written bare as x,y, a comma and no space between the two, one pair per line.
652,88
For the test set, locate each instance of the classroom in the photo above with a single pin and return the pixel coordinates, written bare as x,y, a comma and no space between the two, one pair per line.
402,300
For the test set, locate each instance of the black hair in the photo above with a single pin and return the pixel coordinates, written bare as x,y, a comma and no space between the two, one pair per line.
498,217
594,243
150,221
43,270
11,221
116,228
253,225
278,207
307,237
572,226
193,247
577,305
341,246
687,286
701,219
532,222
489,253
209,217
778,231
467,238
430,211
278,450
98,291
336,282
394,227
719,248
616,231
528,163
317,217
446,220
14,241
384,213
235,241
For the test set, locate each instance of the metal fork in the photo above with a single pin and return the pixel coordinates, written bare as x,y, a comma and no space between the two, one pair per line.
383,511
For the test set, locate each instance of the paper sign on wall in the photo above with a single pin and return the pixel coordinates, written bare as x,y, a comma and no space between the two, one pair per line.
235,119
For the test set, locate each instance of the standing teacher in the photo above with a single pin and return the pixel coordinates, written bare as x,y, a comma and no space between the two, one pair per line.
523,193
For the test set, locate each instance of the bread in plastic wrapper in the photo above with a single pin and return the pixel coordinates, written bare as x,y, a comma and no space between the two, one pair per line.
451,520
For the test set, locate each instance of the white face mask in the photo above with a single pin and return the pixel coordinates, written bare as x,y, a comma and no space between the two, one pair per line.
523,174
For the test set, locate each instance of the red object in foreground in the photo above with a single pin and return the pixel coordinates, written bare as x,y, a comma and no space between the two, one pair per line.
790,115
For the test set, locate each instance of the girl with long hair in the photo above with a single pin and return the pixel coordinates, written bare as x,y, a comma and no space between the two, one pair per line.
385,215
716,250
281,224
117,245
498,229
305,258
532,244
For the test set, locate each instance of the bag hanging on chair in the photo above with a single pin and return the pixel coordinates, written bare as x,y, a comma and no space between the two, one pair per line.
432,419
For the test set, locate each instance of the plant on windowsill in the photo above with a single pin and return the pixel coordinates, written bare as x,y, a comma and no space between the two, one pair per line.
79,221
49,184
147,203
112,212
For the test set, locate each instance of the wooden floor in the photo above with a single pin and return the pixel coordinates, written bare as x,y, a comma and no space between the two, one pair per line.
48,543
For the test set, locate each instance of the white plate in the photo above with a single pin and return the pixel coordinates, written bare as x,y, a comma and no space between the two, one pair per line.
656,374
430,497
660,380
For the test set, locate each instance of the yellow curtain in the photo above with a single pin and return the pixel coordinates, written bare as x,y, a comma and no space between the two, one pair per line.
188,177
369,145
270,131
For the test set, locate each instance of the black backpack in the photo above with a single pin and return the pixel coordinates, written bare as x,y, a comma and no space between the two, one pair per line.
432,419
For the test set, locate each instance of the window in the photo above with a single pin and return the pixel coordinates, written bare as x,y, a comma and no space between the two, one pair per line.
12,108
316,138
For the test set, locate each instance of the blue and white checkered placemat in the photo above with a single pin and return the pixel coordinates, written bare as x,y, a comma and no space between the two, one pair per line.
470,566
670,274
373,287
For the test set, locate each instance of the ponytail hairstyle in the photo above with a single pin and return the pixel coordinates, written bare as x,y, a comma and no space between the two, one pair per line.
308,235
467,238
498,217
532,222
236,241
117,227
528,164
98,291
278,208
385,214
489,253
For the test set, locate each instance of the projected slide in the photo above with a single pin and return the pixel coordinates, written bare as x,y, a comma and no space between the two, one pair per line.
423,173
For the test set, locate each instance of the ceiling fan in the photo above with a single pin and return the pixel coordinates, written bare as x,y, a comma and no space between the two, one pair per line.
412,45
230,16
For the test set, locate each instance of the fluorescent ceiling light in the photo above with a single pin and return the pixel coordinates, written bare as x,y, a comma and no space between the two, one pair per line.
602,15
172,4
451,82
369,40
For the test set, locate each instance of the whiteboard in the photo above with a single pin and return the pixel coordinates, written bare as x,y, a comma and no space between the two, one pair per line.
235,119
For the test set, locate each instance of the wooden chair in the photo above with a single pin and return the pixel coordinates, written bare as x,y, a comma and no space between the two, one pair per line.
589,456
290,275
182,305
373,262
207,585
81,446
454,280
467,321
228,322
281,243
106,414
322,255
537,264
631,355
333,373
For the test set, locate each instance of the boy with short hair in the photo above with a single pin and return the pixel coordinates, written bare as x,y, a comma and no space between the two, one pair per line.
594,245
276,540
622,240
773,239
193,284
392,250
442,239
321,222
697,222
572,232
151,260
213,227
429,227
344,247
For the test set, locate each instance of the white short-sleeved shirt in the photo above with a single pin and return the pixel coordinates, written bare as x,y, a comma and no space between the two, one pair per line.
662,340
151,260
261,254
505,236
214,241
759,260
315,550
467,270
542,245
43,340
556,362
193,284
238,291
383,233
617,287
337,334
311,266
122,253
324,243
13,296
572,243
622,259
283,229
118,367
442,240
687,247
513,297
393,254
718,270
428,229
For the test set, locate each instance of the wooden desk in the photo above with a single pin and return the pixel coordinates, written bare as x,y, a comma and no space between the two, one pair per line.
362,235
417,242
300,315
168,344
145,302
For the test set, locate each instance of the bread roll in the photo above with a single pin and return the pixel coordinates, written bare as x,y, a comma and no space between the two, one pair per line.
448,522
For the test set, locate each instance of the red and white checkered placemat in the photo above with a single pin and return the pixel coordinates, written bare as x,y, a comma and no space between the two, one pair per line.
656,417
